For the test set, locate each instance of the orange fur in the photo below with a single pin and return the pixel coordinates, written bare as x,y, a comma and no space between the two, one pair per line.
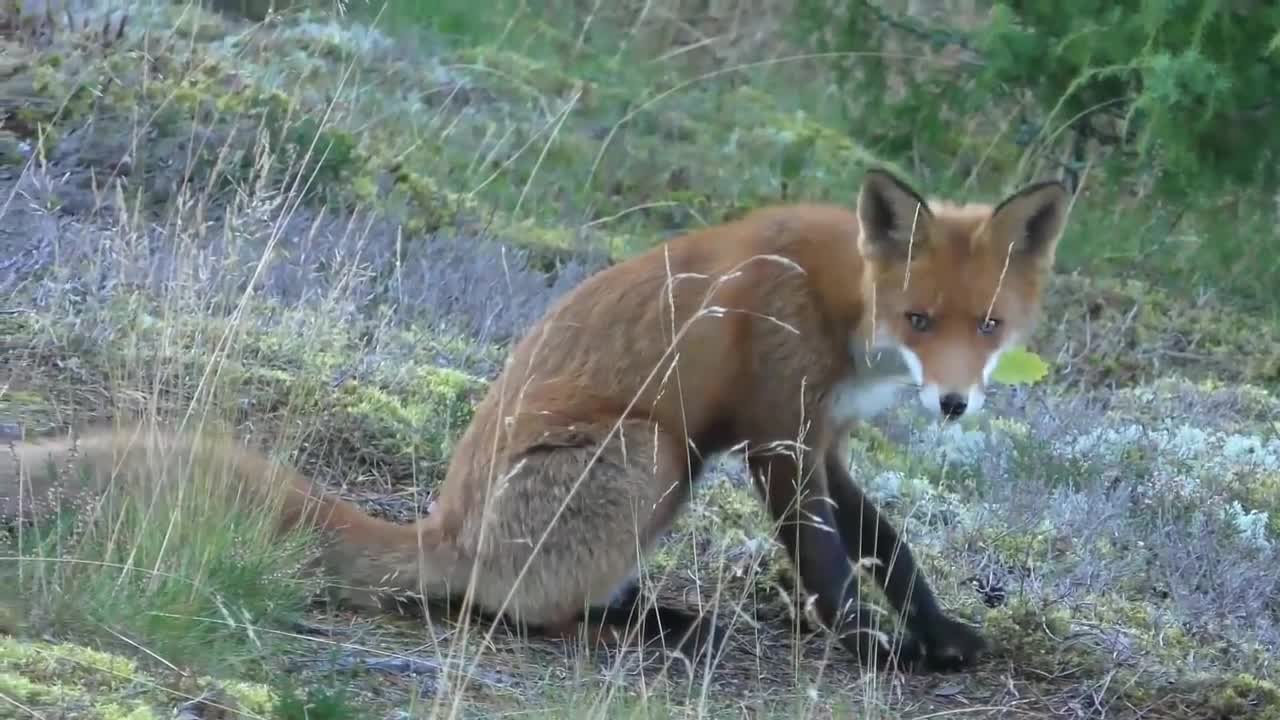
773,333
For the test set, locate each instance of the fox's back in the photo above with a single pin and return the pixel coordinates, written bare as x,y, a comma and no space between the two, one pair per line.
613,338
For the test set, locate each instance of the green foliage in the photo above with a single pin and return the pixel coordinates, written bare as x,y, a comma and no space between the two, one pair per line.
314,704
185,573
1191,79
1169,103
924,121
1183,89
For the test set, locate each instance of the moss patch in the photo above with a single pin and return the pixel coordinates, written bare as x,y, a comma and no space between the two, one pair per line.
83,682
412,423
1099,331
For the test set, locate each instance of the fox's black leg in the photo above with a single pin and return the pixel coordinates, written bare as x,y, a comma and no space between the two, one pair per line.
675,628
808,529
867,534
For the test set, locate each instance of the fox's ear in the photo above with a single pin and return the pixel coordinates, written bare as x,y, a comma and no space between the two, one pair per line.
889,210
1032,219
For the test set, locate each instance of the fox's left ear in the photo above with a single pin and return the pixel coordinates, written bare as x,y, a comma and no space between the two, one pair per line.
1032,219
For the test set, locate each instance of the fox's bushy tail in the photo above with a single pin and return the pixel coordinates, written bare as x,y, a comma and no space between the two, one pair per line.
367,558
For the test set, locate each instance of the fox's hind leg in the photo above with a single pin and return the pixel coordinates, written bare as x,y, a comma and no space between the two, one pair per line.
569,521
671,628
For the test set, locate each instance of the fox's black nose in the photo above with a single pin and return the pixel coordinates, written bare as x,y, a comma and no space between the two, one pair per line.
952,405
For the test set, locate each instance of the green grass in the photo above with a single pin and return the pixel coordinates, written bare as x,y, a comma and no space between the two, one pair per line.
161,573
689,141
141,589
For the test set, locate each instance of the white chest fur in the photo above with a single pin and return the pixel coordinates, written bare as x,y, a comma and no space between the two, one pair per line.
871,387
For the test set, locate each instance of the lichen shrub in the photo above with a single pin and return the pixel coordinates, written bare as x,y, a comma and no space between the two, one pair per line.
1149,534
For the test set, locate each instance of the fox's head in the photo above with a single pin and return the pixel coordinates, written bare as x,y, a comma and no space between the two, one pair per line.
952,287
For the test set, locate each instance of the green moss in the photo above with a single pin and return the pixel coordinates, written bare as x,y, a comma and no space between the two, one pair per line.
1244,695
874,449
1033,636
115,711
253,697
425,205
46,675
1028,548
24,690
553,244
84,682
1141,333
1144,620
728,512
411,427
725,534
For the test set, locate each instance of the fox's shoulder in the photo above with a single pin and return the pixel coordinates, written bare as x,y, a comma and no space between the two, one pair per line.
804,233
786,224
808,214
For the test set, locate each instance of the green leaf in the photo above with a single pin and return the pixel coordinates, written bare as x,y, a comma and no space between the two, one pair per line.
1020,367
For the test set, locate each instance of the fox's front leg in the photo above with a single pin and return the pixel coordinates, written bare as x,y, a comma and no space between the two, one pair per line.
946,643
807,527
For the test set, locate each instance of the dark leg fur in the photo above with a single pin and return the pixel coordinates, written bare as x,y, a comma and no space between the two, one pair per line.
945,643
808,529
676,629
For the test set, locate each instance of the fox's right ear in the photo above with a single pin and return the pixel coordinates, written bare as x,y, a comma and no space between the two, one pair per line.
893,217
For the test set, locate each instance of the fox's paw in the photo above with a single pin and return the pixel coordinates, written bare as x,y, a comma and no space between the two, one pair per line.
879,651
690,634
950,645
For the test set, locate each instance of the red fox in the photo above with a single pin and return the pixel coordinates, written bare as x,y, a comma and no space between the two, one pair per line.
771,335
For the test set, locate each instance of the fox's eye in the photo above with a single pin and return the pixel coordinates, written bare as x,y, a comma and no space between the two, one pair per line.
988,325
919,321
